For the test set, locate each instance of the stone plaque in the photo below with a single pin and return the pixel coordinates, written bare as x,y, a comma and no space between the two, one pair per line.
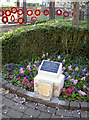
44,89
50,66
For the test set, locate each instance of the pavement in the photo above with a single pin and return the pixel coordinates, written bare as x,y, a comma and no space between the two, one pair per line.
14,106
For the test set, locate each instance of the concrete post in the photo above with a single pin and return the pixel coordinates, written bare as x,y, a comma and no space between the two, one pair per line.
25,11
52,10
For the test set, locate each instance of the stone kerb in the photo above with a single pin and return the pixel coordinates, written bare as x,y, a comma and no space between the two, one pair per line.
55,102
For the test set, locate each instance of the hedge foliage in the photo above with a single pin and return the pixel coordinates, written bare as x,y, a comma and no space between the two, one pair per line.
48,36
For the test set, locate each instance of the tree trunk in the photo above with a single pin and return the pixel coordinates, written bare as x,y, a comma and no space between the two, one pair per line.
76,13
51,10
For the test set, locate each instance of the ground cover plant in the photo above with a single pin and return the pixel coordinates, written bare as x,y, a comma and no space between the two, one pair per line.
76,84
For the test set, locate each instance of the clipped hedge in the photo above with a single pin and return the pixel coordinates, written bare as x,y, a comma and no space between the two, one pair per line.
50,36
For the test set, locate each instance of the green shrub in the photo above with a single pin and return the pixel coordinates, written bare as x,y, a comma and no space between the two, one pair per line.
50,36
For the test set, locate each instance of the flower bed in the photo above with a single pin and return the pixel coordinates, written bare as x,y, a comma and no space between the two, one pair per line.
76,85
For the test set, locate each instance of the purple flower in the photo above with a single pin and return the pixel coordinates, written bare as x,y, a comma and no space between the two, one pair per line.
76,74
84,70
87,92
80,61
53,55
64,68
27,77
83,74
9,69
75,65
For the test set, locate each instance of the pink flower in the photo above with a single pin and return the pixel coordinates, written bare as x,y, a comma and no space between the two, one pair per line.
64,96
23,81
73,87
22,71
66,73
76,69
70,67
82,93
0,64
43,56
31,84
87,74
63,89
35,62
48,59
59,57
64,68
83,78
18,78
84,70
38,67
75,82
63,61
84,86
69,91
26,82
7,73
72,80
69,76
11,77
34,65
87,92
47,54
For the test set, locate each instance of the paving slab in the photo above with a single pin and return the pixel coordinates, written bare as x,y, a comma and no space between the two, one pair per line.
44,115
15,114
32,112
8,102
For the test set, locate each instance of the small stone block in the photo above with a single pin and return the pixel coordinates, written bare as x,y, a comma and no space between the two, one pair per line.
15,88
74,105
84,114
8,86
4,82
84,106
21,92
63,104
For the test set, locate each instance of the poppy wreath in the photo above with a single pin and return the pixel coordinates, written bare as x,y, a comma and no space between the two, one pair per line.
12,18
33,17
3,17
12,10
18,11
46,12
65,13
30,11
58,11
39,12
72,13
1,10
6,12
18,20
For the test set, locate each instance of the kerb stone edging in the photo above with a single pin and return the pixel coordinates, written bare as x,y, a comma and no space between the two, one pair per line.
55,102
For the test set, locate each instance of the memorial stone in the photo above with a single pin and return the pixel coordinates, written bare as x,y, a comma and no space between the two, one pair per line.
49,80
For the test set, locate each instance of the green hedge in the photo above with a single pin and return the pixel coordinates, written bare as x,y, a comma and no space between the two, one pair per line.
50,36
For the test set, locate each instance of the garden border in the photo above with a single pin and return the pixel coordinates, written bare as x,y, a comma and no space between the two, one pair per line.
55,102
